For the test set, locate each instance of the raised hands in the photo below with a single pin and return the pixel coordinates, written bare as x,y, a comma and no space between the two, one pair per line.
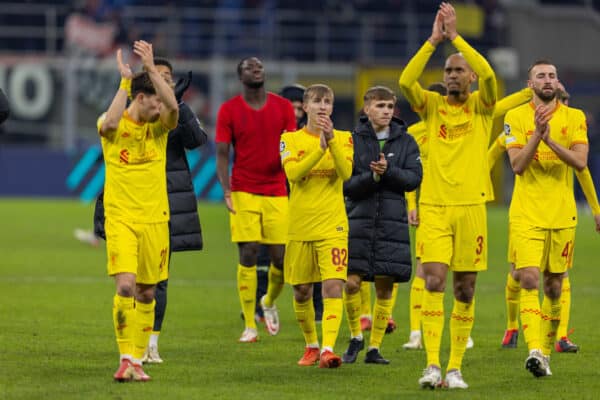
144,50
444,24
437,32
448,15
124,69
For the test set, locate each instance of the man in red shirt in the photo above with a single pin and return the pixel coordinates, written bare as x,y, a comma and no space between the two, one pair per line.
255,194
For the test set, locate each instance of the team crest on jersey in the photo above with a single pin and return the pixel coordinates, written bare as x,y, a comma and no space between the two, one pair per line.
281,146
507,129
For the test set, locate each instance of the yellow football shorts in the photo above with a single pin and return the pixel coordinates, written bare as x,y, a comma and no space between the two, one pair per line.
258,218
453,235
140,249
316,261
549,249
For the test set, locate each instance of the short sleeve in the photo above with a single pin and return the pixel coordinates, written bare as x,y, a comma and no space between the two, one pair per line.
223,130
580,128
513,132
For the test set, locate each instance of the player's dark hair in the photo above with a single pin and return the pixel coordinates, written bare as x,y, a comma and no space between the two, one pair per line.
163,61
379,93
141,83
541,61
293,92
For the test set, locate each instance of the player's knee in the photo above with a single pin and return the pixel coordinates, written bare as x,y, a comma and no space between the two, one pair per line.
248,254
125,289
333,288
352,284
434,283
302,293
553,289
464,293
528,281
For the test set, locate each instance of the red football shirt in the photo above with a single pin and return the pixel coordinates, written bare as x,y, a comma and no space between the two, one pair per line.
255,136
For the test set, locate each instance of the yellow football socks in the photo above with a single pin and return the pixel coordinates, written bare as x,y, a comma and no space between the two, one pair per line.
432,318
530,318
461,323
144,319
353,310
394,296
332,317
565,309
512,293
381,315
305,315
416,299
275,285
365,295
549,323
247,282
123,320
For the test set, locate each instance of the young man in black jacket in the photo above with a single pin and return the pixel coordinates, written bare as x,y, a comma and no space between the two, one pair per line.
184,225
386,165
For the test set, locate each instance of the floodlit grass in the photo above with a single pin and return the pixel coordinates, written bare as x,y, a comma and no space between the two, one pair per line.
57,339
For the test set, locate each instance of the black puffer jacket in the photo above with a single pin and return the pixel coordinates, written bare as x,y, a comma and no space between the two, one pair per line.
184,225
379,241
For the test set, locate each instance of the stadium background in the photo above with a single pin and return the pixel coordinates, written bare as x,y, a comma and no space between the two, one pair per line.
58,70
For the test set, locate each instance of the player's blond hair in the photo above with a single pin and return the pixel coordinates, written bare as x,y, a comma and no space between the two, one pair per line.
319,91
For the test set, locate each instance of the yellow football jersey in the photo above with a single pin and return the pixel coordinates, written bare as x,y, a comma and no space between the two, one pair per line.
543,194
456,171
418,131
135,187
317,209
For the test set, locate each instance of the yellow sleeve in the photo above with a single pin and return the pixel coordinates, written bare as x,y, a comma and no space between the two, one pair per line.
587,185
495,151
411,200
296,169
514,135
409,84
99,123
512,101
580,129
342,151
487,79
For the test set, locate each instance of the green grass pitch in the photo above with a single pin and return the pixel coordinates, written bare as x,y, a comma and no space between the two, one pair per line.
57,340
